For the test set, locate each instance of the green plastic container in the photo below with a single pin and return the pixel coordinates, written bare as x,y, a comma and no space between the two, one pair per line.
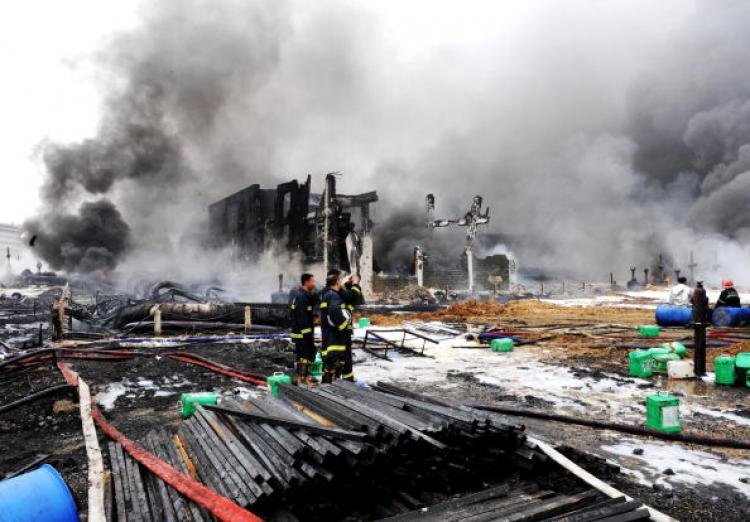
364,322
659,350
274,380
641,363
501,345
663,412
661,360
742,361
189,400
724,370
317,366
676,347
649,330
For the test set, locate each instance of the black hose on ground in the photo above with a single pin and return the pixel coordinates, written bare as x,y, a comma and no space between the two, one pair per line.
34,396
18,358
614,426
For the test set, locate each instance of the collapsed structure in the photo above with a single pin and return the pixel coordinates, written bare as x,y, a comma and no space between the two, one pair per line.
325,230
331,230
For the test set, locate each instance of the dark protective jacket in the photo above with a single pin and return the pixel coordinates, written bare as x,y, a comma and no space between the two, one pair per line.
729,297
335,320
352,295
302,313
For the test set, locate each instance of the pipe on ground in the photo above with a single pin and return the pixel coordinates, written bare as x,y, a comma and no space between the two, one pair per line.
624,428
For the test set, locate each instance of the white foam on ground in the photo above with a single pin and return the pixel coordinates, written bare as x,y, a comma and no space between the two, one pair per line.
111,393
722,414
692,467
518,372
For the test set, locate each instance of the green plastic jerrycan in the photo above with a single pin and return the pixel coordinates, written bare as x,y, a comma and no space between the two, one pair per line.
724,370
649,330
676,347
274,380
663,412
661,360
641,363
502,345
189,400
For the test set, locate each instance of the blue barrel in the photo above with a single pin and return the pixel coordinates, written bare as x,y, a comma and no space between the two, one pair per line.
671,315
35,496
728,316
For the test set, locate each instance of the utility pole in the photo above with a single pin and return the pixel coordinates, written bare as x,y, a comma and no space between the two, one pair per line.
661,269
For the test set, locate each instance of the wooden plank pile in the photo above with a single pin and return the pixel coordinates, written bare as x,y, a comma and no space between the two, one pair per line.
528,503
340,452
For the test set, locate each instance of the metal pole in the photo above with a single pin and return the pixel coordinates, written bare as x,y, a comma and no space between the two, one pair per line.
700,313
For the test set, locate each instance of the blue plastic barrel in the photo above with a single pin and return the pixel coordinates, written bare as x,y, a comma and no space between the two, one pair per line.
671,315
35,496
728,316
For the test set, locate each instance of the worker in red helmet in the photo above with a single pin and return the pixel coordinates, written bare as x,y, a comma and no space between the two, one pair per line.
729,296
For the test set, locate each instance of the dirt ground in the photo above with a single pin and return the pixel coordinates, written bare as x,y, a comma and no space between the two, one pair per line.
528,312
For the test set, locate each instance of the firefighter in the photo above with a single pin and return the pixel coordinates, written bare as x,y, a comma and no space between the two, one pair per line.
324,308
352,296
303,302
337,318
729,297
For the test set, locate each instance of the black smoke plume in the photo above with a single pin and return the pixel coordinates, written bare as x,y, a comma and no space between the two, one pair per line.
91,239
600,134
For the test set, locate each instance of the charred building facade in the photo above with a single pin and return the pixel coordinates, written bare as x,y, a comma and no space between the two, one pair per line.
325,230
331,230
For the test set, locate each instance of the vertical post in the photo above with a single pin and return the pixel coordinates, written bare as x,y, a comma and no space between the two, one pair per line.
156,312
700,314
541,287
419,265
470,268
248,319
612,280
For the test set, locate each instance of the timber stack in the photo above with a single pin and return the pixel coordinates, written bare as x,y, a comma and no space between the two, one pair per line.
348,453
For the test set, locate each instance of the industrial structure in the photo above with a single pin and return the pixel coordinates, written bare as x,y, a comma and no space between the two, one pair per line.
331,230
324,230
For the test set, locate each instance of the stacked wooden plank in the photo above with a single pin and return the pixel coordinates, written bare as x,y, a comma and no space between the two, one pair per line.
526,504
338,452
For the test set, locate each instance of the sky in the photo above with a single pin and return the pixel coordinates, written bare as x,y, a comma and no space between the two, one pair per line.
51,93
49,90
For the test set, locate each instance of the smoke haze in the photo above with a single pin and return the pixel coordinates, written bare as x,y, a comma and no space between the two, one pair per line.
599,134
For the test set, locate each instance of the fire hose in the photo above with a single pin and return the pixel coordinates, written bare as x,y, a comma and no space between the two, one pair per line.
220,507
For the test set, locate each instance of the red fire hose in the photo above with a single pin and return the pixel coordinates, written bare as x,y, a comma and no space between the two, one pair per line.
220,507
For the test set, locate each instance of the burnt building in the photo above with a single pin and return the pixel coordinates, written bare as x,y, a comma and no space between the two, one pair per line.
324,230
